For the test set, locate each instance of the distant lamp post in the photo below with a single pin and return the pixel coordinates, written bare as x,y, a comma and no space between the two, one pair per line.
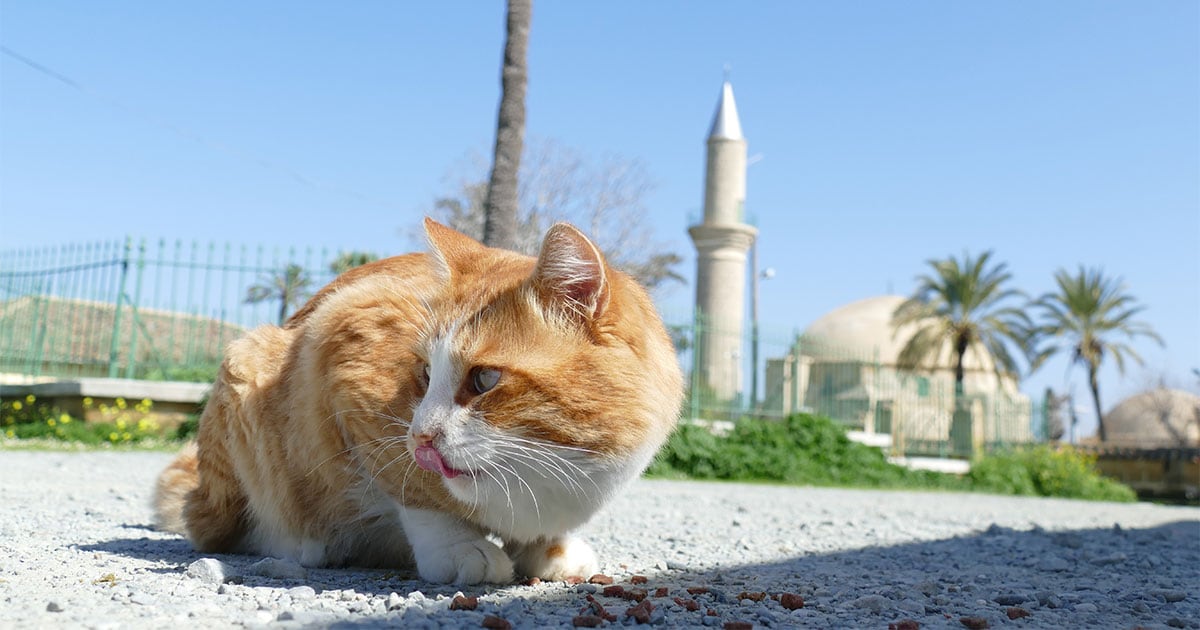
755,274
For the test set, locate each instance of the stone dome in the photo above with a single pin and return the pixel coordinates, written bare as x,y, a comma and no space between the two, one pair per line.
1156,418
863,330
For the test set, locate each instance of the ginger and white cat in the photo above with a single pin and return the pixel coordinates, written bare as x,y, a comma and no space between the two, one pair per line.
420,404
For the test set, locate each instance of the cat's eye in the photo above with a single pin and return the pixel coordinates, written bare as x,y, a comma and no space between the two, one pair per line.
425,373
484,379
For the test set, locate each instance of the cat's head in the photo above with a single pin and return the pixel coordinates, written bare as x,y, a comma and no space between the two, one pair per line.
543,385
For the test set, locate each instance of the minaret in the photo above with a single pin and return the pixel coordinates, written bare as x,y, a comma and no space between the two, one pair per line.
721,241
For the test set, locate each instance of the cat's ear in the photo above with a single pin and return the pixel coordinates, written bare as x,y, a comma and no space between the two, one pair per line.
570,274
451,250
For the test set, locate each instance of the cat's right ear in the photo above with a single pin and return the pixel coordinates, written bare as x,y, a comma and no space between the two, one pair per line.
450,249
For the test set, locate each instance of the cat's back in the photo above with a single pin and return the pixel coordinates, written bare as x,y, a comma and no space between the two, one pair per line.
408,268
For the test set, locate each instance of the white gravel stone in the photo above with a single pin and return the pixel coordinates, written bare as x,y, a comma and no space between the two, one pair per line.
208,570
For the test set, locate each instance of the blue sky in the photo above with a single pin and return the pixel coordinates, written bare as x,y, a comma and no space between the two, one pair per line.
1055,133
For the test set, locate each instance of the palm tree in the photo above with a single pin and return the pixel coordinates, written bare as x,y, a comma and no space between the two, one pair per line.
500,218
349,260
1087,311
962,304
290,287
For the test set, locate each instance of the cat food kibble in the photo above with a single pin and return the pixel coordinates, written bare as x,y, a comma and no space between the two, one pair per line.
638,579
641,612
600,578
572,580
614,591
754,596
461,602
697,590
791,601
688,604
661,591
905,624
586,621
738,625
974,623
1015,612
492,622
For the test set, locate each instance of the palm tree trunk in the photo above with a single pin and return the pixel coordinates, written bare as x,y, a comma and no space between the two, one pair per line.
960,355
1095,387
500,205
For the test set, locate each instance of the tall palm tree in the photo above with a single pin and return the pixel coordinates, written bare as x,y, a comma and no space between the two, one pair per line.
291,286
1087,311
963,304
500,205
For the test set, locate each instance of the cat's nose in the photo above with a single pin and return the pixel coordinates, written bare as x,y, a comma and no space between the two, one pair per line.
424,439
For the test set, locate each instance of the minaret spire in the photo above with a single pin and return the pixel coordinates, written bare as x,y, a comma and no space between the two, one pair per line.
722,240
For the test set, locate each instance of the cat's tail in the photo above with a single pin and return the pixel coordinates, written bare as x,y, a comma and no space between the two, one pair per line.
170,493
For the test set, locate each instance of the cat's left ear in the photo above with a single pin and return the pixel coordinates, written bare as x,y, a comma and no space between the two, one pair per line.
570,274
452,250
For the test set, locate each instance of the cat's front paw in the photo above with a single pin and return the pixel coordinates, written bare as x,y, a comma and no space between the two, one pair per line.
468,562
554,559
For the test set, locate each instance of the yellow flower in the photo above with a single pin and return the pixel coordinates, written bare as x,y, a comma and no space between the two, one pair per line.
51,422
87,402
16,405
120,403
30,398
10,433
126,436
64,419
113,437
120,425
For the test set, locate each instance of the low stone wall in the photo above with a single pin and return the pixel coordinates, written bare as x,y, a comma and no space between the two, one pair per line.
173,402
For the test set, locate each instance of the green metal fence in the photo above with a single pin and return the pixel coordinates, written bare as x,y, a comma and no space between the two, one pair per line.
165,311
137,309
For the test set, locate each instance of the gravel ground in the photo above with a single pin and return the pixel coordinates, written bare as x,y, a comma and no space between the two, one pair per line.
76,550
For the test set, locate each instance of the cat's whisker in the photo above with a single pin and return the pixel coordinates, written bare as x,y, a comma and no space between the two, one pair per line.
528,489
541,467
530,446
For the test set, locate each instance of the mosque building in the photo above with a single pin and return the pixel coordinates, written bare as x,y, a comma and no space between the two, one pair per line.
845,365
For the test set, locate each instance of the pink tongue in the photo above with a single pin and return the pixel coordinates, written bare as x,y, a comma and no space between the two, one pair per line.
430,459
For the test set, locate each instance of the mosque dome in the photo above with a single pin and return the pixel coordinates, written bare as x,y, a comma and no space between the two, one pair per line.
863,330
1159,417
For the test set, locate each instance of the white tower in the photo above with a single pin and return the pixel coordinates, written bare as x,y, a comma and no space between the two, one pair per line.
721,241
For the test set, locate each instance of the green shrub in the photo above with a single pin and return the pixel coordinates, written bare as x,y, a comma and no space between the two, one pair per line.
802,449
806,449
1047,471
27,418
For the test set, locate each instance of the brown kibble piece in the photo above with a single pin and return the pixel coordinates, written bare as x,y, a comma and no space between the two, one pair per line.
662,591
738,625
712,612
690,605
634,594
697,590
1016,612
572,580
974,623
641,612
754,596
586,621
600,578
638,579
904,624
791,601
614,591
462,602
496,623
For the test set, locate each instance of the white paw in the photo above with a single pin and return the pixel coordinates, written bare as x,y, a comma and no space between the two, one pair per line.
555,558
468,562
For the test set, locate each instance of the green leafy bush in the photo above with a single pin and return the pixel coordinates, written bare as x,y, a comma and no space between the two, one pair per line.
806,449
802,449
122,423
1048,471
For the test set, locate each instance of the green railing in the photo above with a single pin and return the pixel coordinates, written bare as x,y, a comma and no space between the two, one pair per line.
165,311
137,309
